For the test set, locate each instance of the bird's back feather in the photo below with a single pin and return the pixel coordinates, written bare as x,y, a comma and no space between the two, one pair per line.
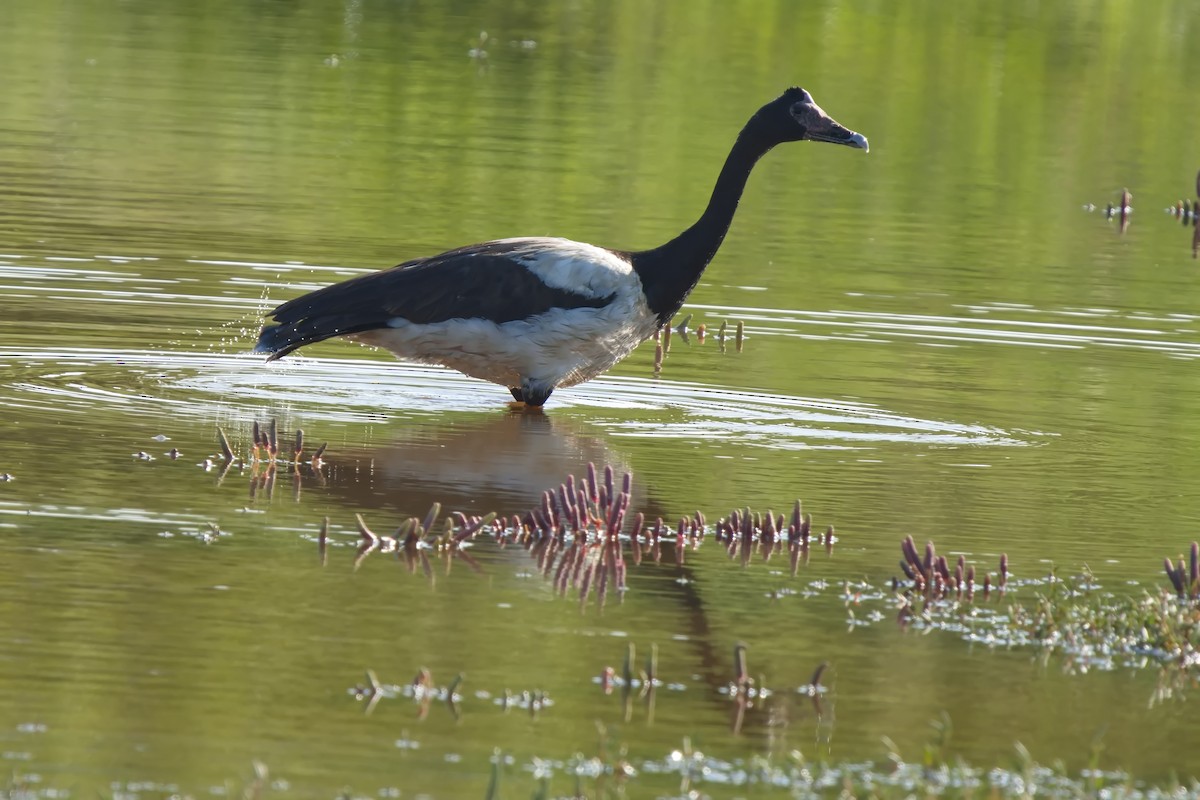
496,281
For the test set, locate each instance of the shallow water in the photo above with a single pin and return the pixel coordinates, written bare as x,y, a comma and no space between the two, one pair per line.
940,340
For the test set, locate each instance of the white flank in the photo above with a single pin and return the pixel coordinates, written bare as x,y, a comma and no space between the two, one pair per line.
577,266
561,347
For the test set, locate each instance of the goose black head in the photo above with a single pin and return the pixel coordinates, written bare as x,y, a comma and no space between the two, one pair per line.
795,117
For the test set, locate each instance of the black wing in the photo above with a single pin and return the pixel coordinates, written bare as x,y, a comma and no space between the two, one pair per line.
482,281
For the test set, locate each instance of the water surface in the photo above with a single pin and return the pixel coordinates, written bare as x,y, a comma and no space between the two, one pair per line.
940,341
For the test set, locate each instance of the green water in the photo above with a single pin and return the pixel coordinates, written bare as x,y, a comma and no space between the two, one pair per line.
941,341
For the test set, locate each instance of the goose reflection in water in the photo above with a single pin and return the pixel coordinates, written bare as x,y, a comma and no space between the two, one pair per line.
493,462
504,462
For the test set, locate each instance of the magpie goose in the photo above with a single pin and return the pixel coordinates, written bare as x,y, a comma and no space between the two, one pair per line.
534,314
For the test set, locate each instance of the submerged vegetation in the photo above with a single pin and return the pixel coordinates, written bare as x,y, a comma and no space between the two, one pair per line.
610,770
585,536
1186,581
578,538
692,773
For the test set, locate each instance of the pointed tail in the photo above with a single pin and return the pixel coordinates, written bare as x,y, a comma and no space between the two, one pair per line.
276,341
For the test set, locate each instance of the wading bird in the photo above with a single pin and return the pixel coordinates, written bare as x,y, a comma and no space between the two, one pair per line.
535,314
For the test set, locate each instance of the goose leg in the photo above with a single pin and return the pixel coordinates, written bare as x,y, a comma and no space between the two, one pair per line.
533,394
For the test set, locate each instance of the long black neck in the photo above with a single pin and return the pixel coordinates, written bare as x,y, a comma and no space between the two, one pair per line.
669,272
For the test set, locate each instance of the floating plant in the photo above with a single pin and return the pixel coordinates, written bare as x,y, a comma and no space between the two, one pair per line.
1120,211
616,768
414,537
265,449
1091,629
264,460
1185,578
814,687
577,539
932,578
207,535
745,529
934,773
574,535
682,329
1185,211
662,338
421,690
645,680
1104,631
532,701
1188,213
744,691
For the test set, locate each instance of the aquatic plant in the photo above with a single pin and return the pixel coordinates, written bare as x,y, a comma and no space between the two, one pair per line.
423,692
578,540
931,575
1072,617
1091,629
414,537
576,535
589,508
1186,581
265,447
613,771
1094,630
742,530
645,682
745,691
264,460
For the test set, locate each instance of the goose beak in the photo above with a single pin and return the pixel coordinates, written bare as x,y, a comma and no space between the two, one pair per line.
836,134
